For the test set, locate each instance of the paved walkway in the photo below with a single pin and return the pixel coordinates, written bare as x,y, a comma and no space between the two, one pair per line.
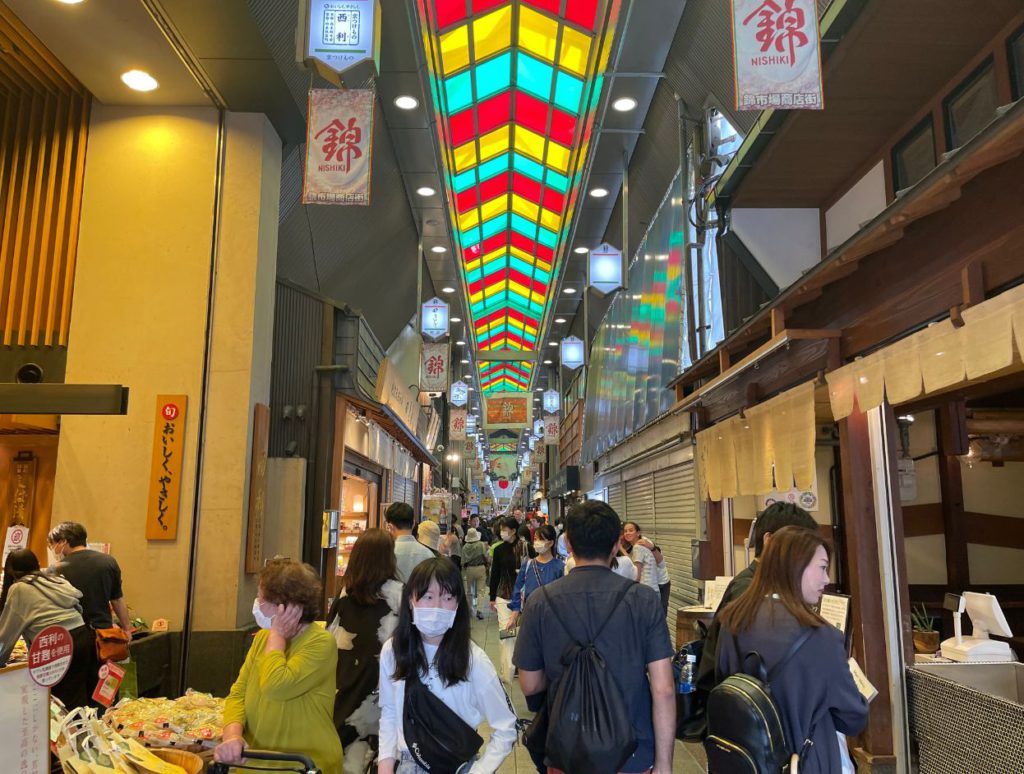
688,759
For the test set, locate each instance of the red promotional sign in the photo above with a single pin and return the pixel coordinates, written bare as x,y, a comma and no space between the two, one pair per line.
111,676
49,656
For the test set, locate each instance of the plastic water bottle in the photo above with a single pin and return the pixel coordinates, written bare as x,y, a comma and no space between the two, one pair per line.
688,675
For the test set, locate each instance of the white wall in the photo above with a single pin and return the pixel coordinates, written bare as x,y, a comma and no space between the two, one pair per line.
926,554
861,203
786,241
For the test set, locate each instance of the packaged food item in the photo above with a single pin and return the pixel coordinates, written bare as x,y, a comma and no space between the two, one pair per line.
196,720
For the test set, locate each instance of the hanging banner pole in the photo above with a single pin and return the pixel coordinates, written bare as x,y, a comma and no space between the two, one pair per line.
625,221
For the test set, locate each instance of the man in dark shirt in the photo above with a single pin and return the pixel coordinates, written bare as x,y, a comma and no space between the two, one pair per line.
772,519
96,575
635,643
505,562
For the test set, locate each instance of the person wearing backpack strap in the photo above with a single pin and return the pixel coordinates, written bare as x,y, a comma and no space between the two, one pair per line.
595,645
776,654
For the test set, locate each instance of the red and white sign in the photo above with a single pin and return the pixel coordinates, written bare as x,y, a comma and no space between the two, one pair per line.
552,429
339,146
457,424
434,369
111,677
49,656
777,55
17,538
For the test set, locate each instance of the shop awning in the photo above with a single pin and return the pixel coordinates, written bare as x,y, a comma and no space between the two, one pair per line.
395,427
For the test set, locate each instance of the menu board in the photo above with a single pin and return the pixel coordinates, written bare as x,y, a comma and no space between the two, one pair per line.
24,722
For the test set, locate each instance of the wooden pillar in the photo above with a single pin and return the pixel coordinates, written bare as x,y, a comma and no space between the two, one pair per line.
952,439
716,537
864,576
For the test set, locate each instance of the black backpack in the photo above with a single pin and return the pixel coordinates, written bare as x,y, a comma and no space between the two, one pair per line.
586,725
744,726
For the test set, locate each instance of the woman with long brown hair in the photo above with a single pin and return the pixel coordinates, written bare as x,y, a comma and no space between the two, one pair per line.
813,689
362,618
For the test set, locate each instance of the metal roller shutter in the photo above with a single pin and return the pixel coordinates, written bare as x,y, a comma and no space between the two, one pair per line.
617,498
640,502
674,527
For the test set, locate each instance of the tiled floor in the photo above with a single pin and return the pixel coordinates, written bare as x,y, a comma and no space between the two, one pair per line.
688,759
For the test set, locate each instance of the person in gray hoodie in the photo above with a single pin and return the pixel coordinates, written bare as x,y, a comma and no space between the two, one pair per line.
30,602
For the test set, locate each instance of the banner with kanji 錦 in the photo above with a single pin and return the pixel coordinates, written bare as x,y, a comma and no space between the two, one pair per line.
776,55
552,429
434,370
457,424
339,146
508,410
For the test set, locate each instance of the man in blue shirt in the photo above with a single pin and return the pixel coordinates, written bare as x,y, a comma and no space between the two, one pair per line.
408,550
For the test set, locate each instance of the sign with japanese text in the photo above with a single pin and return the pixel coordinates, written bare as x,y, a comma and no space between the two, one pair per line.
339,146
394,393
24,722
508,411
604,269
111,677
573,355
457,424
538,428
552,401
23,488
434,319
165,472
49,656
470,423
459,393
434,368
552,428
776,55
342,33
17,538
257,488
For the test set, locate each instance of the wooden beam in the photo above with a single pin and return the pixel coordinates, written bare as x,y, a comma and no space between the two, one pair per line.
972,284
716,536
952,436
723,360
778,318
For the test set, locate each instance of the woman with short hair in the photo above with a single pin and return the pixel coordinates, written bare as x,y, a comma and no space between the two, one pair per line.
283,698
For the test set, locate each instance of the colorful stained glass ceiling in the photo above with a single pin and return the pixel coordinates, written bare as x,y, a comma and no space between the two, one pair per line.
515,84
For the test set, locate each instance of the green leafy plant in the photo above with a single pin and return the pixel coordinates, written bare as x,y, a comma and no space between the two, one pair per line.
922,621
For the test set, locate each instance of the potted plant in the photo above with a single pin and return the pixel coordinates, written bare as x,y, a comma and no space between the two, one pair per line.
926,639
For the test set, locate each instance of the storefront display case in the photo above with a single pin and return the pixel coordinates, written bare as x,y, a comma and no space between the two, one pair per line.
358,502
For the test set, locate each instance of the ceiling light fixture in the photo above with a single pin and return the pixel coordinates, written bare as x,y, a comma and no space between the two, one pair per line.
406,102
460,343
447,290
455,319
437,249
559,320
624,104
425,190
464,362
569,291
139,80
599,193
547,362
552,343
581,250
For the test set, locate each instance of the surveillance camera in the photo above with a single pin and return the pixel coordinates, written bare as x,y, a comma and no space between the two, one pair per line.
440,447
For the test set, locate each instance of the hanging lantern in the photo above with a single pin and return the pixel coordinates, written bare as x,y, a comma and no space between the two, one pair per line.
434,319
459,393
572,352
604,269
552,402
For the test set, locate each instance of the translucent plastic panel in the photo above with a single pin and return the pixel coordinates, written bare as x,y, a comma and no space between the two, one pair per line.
550,220
465,156
574,52
547,238
493,76
464,181
492,33
529,143
558,157
493,167
582,12
449,11
527,166
493,143
538,34
524,226
458,92
455,49
527,209
469,220
494,207
494,226
534,77
559,182
568,92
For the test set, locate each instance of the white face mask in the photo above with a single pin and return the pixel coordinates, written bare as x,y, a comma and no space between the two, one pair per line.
506,535
432,621
263,620
540,546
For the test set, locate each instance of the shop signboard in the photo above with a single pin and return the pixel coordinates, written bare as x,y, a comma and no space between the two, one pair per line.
394,393
23,488
434,319
470,423
341,33
17,538
552,428
49,656
604,269
776,55
339,147
166,468
538,428
257,488
572,352
457,424
508,411
434,368
459,393
552,401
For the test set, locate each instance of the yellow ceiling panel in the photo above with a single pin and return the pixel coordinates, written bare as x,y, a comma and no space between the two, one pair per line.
465,156
492,33
493,143
574,52
527,209
550,220
494,207
455,49
469,219
537,33
530,143
558,157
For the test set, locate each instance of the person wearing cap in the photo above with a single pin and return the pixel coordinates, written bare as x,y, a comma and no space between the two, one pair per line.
474,562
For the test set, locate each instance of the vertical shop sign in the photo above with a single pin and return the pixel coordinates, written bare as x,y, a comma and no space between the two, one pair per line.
165,472
434,319
257,488
457,424
339,146
341,33
434,368
776,55
459,393
552,428
23,489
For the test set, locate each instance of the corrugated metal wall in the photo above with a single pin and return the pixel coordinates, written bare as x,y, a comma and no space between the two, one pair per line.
356,346
298,340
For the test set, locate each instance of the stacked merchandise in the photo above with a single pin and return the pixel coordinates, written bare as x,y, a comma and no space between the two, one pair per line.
193,722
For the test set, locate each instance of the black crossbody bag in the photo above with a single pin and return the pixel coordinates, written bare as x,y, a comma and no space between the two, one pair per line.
438,739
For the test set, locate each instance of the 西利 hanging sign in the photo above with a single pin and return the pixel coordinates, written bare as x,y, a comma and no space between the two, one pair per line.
457,425
604,269
552,430
552,401
434,370
165,472
434,319
776,55
341,33
573,354
339,146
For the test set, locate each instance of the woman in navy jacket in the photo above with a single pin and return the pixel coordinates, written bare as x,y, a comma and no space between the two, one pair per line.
814,691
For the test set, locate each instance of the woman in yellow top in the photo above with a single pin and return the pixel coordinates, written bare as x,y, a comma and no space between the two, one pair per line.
283,699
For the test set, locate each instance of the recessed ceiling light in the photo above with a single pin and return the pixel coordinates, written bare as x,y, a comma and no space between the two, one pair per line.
552,343
460,343
539,389
425,190
447,290
624,104
139,80
559,320
406,102
581,250
599,193
455,319
569,291
437,249
547,362
467,376
464,361
70,2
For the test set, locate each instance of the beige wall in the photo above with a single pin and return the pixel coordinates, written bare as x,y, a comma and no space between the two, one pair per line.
926,554
139,319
